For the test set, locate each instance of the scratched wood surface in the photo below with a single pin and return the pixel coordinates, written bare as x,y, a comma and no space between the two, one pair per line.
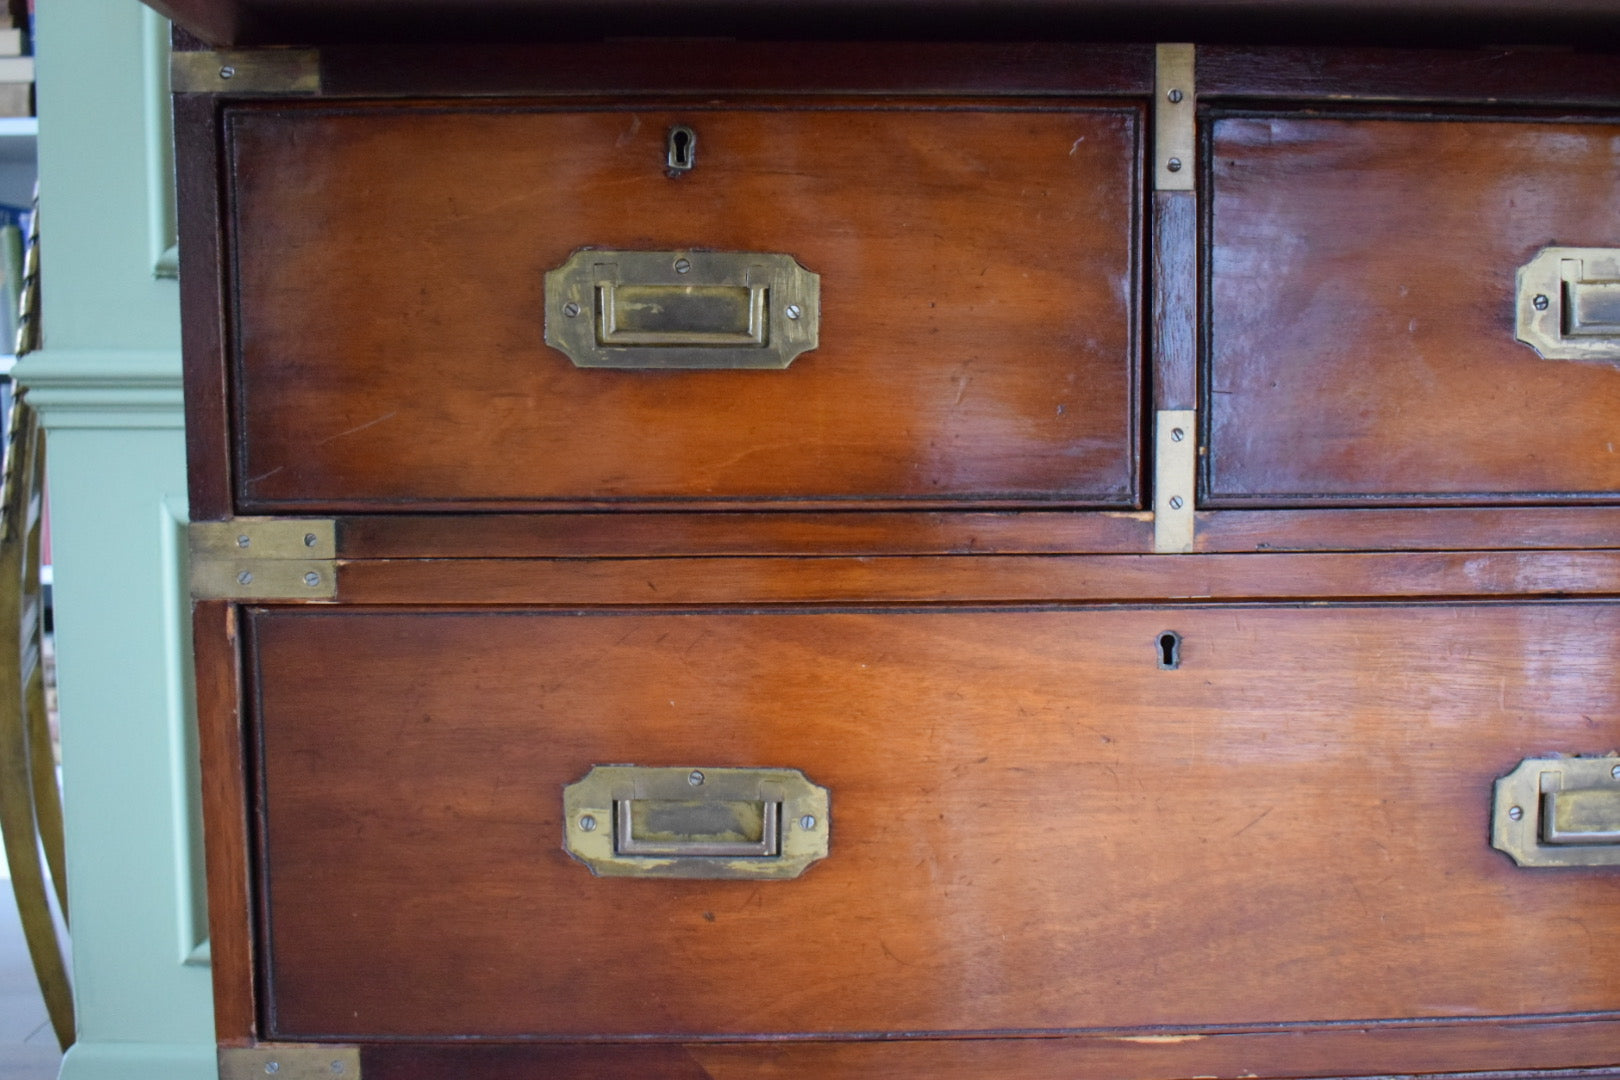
1034,827
1361,312
978,285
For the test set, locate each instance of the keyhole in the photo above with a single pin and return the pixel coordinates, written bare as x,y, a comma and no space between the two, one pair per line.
682,148
1169,650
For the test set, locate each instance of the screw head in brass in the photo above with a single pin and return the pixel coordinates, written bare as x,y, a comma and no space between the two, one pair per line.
1615,772
312,579
793,311
571,309
1516,812
695,778
228,72
1540,303
682,266
807,822
243,540
1175,97
244,578
1174,164
310,540
272,1066
587,824
1176,434
1176,502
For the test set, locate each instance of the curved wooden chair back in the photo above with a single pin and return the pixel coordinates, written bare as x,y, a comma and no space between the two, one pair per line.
30,801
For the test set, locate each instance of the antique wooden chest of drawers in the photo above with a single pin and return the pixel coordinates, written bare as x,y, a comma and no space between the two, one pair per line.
928,559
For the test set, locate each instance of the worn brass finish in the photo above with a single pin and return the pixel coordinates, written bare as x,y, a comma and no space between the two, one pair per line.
263,559
1568,304
246,72
1175,480
1559,812
634,821
1175,95
682,309
289,1061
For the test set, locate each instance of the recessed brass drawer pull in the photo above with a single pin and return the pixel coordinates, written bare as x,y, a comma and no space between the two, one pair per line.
632,821
1559,812
682,309
1569,303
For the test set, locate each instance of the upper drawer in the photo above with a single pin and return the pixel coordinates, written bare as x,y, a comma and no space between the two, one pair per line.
978,318
1362,342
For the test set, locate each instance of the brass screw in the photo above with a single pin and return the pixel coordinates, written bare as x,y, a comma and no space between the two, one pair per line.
1540,302
793,311
1176,434
695,778
310,541
807,822
272,1066
1516,812
312,579
1176,502
229,72
570,309
243,541
1174,164
1615,772
682,266
587,824
244,578
1175,97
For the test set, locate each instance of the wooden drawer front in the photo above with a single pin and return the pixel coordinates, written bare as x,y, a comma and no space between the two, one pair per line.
1033,827
1362,334
978,305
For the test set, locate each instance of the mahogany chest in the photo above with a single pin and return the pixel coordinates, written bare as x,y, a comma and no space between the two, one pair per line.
932,558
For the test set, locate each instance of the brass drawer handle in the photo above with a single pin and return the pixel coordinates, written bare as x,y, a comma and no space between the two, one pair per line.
1559,812
634,821
1569,303
682,309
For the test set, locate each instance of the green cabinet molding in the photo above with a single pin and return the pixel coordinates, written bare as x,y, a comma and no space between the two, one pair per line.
107,384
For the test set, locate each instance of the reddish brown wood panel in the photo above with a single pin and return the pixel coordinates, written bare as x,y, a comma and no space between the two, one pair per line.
408,536
1362,276
222,743
978,330
1034,827
1175,300
1432,529
1499,75
1488,1050
989,579
701,68
202,306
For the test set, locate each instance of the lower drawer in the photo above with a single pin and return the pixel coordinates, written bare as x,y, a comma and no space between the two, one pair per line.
1042,821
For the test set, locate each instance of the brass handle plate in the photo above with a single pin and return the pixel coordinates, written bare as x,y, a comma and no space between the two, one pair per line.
1568,303
754,824
1559,812
696,310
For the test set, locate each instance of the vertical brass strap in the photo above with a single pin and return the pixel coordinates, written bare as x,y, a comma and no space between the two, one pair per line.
1175,96
1175,475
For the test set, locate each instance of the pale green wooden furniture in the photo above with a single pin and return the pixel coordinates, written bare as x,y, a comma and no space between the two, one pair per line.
107,386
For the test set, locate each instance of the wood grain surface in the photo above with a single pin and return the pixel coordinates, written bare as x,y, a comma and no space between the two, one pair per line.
978,328
982,579
1361,312
1034,827
223,745
1486,1050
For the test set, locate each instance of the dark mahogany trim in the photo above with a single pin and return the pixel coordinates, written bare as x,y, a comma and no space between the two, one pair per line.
1496,76
281,22
202,306
729,67
221,739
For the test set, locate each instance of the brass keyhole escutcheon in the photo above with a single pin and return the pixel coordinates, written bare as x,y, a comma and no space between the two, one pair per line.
682,149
